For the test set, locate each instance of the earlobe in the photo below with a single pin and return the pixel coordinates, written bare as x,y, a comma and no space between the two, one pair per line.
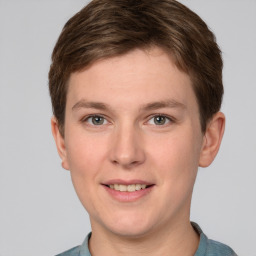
212,139
60,142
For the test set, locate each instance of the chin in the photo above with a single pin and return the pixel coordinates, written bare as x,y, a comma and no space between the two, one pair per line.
130,227
131,232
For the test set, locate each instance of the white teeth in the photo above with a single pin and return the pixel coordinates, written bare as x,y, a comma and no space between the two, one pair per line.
143,186
138,187
129,188
122,188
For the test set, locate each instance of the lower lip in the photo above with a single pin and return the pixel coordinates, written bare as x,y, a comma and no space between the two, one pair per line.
128,196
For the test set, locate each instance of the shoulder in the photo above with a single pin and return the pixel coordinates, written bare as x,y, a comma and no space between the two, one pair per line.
72,252
81,250
209,247
217,248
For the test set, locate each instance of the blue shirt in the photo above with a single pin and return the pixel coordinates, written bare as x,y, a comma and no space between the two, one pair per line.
207,247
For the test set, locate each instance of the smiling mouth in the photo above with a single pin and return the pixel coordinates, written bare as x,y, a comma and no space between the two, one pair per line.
128,188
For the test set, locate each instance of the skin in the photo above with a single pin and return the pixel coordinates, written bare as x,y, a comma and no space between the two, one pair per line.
128,143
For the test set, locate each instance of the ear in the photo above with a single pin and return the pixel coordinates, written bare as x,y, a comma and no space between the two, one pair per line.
212,139
60,142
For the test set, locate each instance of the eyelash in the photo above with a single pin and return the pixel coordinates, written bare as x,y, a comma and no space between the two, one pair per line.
168,118
85,119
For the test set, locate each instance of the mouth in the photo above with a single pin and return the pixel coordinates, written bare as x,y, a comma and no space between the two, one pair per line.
129,187
128,190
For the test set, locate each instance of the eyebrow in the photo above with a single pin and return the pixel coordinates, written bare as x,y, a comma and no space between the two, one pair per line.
163,104
147,107
89,104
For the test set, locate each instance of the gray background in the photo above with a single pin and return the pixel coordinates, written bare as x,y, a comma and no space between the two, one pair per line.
39,211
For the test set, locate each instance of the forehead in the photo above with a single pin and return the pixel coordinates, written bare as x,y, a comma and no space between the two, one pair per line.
138,76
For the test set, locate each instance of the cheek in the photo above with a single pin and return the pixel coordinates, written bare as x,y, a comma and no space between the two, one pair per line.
85,157
85,153
177,157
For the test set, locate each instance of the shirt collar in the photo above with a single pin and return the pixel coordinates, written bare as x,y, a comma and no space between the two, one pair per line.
84,248
203,240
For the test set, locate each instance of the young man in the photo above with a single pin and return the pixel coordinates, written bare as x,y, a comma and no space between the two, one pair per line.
136,89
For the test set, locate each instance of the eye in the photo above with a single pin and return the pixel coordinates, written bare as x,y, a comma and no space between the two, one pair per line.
96,120
159,120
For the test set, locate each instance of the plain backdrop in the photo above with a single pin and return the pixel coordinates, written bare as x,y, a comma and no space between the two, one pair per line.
39,211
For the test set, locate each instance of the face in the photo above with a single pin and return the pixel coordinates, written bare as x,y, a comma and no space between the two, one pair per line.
132,142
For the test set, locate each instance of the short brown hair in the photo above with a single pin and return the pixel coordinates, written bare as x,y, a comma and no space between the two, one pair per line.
107,28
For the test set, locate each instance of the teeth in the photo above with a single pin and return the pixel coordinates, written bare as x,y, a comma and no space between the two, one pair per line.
129,188
138,187
122,188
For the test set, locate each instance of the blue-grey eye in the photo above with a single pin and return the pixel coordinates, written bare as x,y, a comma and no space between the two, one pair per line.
96,120
159,120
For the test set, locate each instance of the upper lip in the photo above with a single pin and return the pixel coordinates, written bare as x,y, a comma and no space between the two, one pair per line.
126,182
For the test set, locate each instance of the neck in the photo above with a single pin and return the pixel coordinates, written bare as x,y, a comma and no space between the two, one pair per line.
180,239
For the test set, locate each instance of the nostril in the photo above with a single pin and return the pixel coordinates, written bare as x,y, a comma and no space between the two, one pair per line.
125,161
115,162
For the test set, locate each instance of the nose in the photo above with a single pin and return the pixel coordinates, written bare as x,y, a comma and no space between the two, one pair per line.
127,147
